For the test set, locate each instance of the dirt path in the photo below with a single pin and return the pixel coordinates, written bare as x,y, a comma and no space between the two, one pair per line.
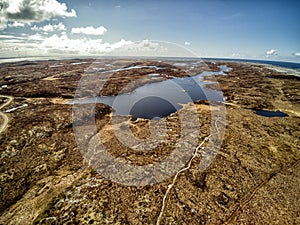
3,115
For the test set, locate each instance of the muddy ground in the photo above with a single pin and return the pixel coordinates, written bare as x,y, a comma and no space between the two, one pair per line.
44,178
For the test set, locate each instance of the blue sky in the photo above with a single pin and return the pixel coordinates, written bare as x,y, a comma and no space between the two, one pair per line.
232,28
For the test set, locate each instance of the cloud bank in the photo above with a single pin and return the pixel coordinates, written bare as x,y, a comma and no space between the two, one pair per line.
64,44
61,44
28,11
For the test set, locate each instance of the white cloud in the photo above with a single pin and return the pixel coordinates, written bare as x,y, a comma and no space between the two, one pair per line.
146,44
297,54
16,24
89,30
50,27
36,37
63,44
236,55
272,52
187,43
28,11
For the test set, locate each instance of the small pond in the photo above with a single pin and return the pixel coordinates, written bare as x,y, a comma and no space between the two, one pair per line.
267,113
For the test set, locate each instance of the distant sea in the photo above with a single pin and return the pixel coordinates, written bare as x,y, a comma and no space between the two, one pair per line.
289,65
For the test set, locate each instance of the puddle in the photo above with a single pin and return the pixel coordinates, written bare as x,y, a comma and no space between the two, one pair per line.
78,63
267,113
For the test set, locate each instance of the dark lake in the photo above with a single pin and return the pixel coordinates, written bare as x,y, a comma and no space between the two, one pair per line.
160,99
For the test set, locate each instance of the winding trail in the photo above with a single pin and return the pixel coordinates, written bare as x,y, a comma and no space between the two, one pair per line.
160,216
3,115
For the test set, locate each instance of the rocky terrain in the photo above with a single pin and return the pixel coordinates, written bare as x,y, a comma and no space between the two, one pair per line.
44,178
